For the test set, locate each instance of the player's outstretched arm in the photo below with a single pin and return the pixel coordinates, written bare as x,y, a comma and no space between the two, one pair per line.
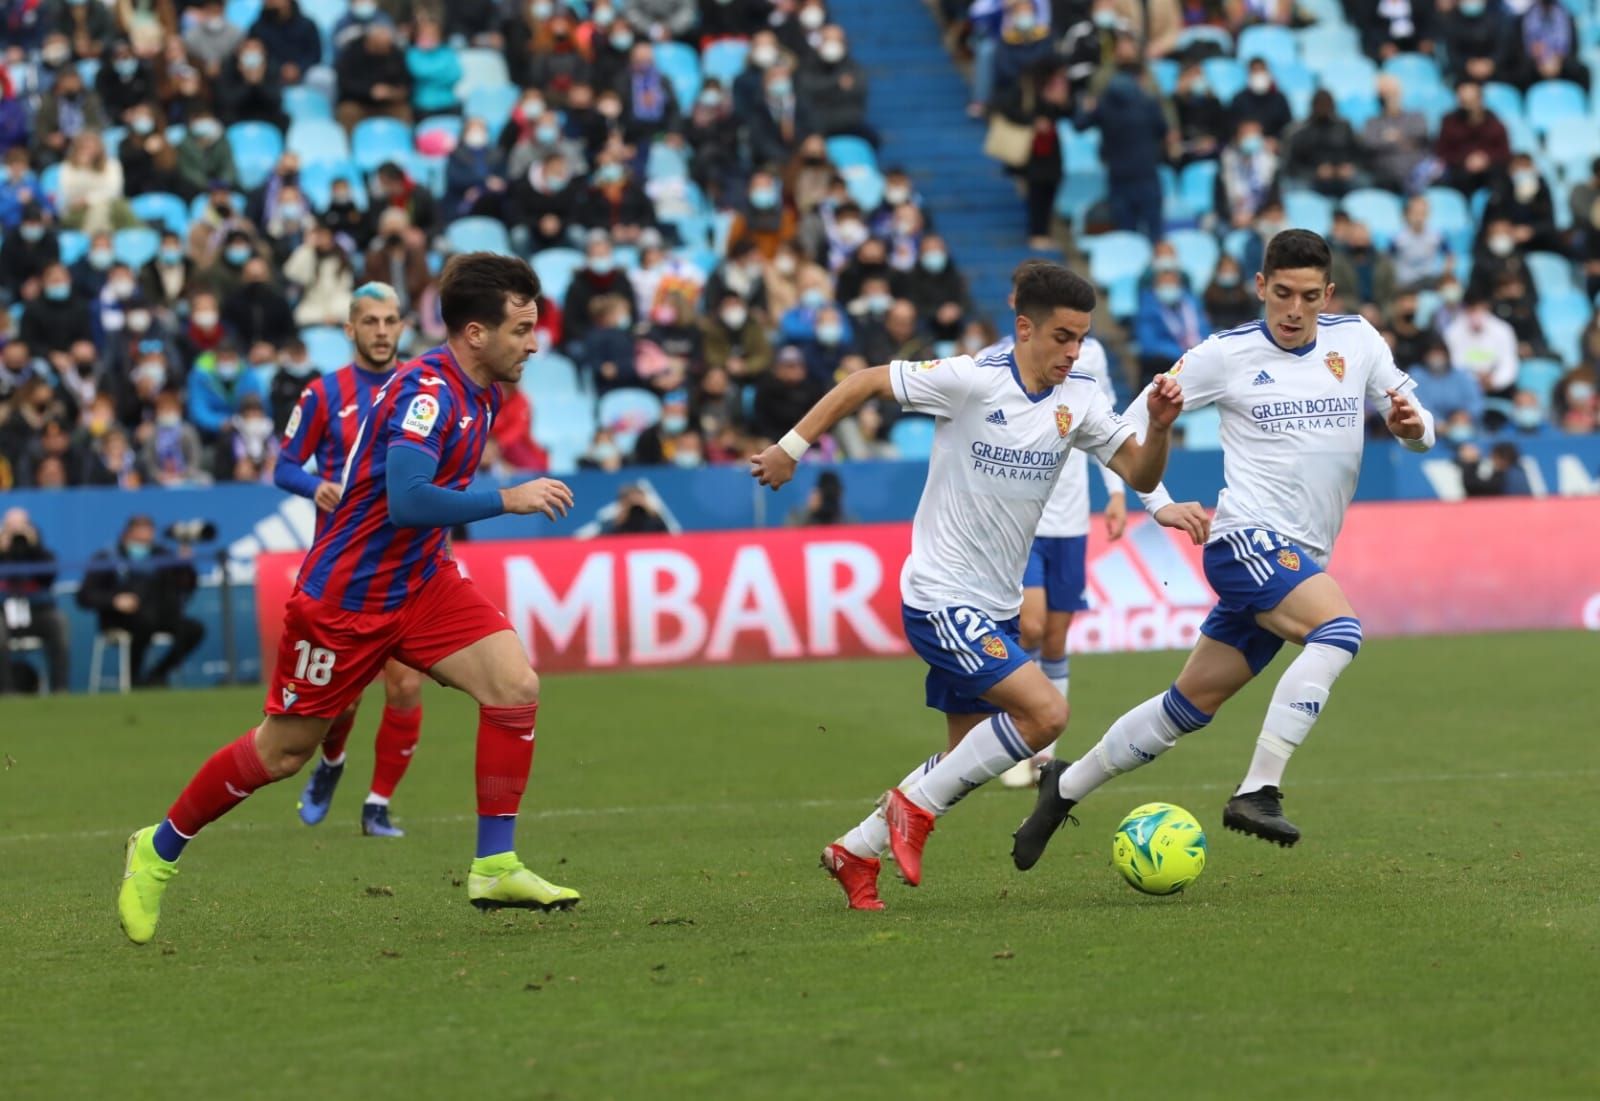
1141,462
776,465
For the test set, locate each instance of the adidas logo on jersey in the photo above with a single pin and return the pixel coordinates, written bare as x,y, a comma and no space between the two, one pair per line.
1310,707
997,417
1264,379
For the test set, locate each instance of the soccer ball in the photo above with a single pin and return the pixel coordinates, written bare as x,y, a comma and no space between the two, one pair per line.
1160,849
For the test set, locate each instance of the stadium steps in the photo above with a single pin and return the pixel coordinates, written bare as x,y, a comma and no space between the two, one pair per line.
918,106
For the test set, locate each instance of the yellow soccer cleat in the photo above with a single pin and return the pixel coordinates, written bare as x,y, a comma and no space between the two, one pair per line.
501,882
144,879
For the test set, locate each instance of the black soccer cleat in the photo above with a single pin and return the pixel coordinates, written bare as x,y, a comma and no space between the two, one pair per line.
1050,810
1260,814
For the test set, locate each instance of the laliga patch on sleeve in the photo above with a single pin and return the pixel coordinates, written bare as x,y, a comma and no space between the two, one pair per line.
421,416
294,424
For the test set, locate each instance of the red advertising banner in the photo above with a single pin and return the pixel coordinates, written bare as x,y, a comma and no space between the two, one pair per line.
725,597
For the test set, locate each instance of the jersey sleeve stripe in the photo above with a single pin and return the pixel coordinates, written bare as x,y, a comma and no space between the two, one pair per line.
897,381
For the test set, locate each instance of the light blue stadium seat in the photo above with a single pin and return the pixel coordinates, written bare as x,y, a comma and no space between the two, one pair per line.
724,60
549,375
1117,255
376,140
680,64
198,204
1573,146
1267,41
1202,428
493,105
1325,45
846,151
477,235
136,247
1551,272
256,149
73,244
1197,188
912,437
1357,107
560,416
1353,73
1449,214
111,137
301,102
1324,11
1122,297
1196,35
326,346
1080,149
666,162
1539,377
1293,78
481,69
442,124
554,267
50,183
1226,77
319,141
564,455
1171,202
1432,101
1380,210
865,184
1079,191
316,180
242,13
1503,99
1564,317
326,15
1413,69
1198,252
1308,210
1236,242
1552,102
161,210
89,69
1165,70
626,413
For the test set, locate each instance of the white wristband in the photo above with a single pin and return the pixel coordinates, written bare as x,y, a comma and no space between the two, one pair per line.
794,445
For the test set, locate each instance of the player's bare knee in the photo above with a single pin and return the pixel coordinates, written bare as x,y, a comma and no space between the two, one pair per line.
1030,632
404,690
519,688
1043,723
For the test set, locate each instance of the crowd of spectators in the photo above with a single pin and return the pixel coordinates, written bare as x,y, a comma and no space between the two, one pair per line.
182,367
1463,310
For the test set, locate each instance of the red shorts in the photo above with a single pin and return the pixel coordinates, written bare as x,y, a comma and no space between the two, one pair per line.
327,656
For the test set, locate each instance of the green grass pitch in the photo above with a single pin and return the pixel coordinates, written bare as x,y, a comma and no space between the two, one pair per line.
1437,934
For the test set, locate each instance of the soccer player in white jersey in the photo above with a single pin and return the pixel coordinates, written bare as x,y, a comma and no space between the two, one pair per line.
1055,583
1291,390
988,480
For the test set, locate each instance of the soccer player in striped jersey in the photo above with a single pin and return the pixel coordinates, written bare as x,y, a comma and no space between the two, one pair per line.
322,430
1004,426
379,583
1292,391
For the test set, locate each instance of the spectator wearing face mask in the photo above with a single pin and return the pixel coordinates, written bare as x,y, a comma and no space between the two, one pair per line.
1513,304
546,200
110,307
248,89
735,342
650,108
149,161
28,251
607,351
1228,301
141,586
92,188
373,78
767,220
475,175
247,450
89,271
731,19
1482,344
257,310
218,386
135,392
835,85
295,371
360,17
783,395
543,48
226,270
1522,198
52,321
713,139
1480,40
603,453
749,86
937,288
1420,252
205,159
1446,390
1577,401
1247,179
123,80
27,604
660,443
599,275
169,449
19,190
781,278
292,41
1324,153
69,110
1203,121
1495,253
322,271
779,119
1261,102
211,40
614,201
166,277
1169,322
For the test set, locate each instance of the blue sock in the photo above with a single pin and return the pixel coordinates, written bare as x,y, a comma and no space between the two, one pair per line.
168,841
496,833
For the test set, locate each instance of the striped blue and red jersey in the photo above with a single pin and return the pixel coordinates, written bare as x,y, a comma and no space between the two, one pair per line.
360,561
326,419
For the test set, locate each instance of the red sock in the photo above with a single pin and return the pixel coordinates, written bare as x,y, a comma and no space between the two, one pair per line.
338,734
505,756
397,739
222,783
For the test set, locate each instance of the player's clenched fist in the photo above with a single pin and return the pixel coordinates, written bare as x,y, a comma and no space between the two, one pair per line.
1165,401
1190,517
327,496
773,467
544,495
1404,420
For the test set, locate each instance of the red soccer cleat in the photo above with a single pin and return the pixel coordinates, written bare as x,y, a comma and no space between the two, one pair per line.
909,827
858,875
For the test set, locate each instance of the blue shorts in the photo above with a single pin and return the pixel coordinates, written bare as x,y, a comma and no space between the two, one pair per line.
967,654
1056,564
1252,571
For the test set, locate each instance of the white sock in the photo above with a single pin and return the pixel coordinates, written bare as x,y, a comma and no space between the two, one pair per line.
376,800
871,837
1297,703
333,762
1137,738
989,749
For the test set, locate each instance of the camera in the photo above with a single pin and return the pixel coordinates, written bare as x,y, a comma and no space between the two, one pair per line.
191,531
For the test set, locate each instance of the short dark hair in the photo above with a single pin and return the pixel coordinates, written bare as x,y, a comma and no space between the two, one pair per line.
474,286
1297,248
1043,289
1024,268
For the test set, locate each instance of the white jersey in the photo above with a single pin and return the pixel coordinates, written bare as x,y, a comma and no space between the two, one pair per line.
997,453
1067,511
1292,423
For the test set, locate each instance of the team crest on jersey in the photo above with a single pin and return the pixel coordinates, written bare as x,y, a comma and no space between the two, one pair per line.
1063,421
294,422
995,647
289,696
1288,559
1335,363
421,416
